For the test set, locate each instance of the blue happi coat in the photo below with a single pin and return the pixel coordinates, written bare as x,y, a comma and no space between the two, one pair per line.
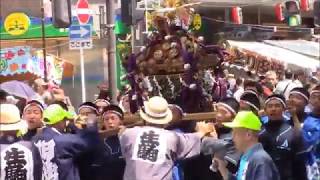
113,161
311,134
60,151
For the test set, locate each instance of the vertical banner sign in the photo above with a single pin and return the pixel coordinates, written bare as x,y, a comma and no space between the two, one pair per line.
123,49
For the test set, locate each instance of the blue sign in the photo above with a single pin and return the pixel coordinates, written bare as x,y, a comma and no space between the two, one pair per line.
80,32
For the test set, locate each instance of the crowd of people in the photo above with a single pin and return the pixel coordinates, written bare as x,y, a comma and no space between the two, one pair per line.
263,129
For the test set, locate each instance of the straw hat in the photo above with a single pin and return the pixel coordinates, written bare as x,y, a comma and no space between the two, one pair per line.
156,111
10,118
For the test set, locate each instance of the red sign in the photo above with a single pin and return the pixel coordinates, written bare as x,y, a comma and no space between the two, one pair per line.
83,11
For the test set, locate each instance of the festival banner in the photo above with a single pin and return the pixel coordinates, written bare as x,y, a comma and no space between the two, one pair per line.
54,67
17,60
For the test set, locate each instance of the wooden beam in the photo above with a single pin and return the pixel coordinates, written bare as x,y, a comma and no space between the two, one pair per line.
135,120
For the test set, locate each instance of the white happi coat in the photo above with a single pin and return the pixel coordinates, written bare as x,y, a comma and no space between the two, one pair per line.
150,152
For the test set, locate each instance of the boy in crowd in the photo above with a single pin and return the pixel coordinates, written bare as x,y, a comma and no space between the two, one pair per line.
86,110
311,134
90,162
33,114
249,101
250,84
58,150
282,142
297,103
113,163
223,147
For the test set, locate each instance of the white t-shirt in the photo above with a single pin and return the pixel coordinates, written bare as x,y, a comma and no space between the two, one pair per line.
284,87
237,95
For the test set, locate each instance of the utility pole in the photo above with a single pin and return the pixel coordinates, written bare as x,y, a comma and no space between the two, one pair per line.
111,48
43,36
103,35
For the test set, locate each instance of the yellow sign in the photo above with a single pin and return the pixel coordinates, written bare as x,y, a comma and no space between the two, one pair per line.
197,22
16,23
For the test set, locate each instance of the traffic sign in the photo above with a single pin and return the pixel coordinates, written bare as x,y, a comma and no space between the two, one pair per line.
81,44
80,32
83,11
80,37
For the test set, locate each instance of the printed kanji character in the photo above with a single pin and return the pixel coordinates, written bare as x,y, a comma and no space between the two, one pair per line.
148,147
49,169
15,165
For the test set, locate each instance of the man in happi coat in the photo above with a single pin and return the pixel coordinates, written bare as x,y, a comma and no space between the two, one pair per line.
151,151
59,150
20,160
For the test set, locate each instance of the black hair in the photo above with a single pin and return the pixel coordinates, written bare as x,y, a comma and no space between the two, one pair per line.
253,83
232,102
90,104
115,108
288,74
104,94
252,98
3,95
302,90
36,102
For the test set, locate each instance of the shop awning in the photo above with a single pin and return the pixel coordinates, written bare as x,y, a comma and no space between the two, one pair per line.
289,58
242,2
304,47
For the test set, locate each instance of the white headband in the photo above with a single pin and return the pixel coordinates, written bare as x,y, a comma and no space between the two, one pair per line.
315,91
32,104
228,107
90,107
276,98
103,100
114,112
250,104
301,94
249,91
